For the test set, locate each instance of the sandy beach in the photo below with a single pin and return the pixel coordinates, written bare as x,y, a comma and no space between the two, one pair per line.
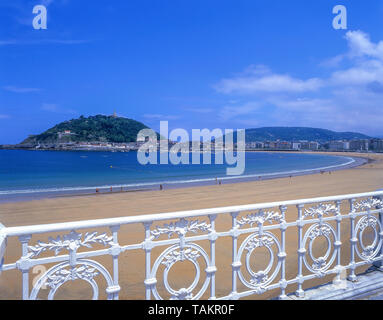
366,178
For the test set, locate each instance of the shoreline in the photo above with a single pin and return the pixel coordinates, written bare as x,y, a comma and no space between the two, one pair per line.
355,161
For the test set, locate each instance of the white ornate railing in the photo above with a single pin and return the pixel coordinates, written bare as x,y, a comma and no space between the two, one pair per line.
252,227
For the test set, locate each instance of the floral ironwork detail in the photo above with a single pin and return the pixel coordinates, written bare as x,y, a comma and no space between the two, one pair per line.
369,204
368,222
86,270
63,275
190,252
321,210
182,294
318,231
261,217
71,241
319,263
174,256
259,278
181,228
368,252
264,241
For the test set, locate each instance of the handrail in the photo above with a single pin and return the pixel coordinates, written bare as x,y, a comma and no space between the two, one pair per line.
262,225
110,222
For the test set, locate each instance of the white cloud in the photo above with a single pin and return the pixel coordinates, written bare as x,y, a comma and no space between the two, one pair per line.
303,105
7,42
200,110
361,45
261,79
15,89
52,107
42,41
46,3
333,62
361,74
366,59
231,112
160,117
4,116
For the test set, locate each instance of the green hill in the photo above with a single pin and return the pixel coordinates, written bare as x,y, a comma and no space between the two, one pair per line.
95,128
299,133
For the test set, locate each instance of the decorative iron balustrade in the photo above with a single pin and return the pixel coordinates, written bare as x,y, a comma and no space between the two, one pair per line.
261,226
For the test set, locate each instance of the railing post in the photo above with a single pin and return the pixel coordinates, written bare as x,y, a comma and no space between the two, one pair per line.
282,255
24,265
3,245
301,251
338,243
379,264
115,252
352,277
149,283
236,265
212,269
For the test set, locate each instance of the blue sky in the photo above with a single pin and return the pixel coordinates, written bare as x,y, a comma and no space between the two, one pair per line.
198,64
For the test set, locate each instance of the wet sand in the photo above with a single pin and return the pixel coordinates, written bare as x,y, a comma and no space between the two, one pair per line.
366,178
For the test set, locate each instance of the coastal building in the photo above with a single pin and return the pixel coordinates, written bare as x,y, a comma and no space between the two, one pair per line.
65,133
376,145
339,146
283,145
359,145
297,146
309,145
314,145
266,145
305,145
271,145
259,145
255,145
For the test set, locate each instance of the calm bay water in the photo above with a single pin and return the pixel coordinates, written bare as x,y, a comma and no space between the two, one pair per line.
31,172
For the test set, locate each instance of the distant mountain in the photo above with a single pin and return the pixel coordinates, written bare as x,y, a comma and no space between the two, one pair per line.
299,133
98,128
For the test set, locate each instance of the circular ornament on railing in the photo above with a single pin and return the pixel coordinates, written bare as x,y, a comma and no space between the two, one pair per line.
189,252
321,264
259,279
61,273
369,252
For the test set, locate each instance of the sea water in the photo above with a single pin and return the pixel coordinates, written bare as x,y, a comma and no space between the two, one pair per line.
45,173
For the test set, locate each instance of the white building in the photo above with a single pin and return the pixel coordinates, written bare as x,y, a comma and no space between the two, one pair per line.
297,146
